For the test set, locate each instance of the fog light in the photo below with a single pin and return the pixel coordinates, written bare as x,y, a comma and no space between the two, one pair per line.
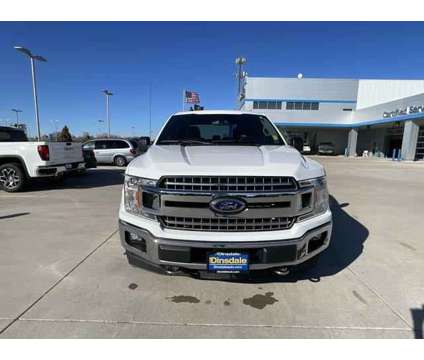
316,242
135,240
135,237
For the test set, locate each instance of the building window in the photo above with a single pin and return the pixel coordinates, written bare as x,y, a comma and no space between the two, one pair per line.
298,105
315,106
306,106
302,105
347,109
267,105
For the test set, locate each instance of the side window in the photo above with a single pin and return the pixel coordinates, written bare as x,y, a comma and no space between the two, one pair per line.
88,146
119,144
12,135
101,145
4,136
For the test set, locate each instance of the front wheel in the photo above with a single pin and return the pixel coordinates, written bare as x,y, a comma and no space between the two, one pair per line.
12,177
120,161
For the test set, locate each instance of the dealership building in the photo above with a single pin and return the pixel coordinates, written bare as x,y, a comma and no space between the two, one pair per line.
374,117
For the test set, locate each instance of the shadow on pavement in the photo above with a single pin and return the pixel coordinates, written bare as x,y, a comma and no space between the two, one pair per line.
346,246
93,178
418,319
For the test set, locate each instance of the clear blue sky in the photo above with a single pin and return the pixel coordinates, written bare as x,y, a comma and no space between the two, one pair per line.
84,58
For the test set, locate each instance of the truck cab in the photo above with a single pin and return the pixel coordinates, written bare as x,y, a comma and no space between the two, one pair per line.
223,192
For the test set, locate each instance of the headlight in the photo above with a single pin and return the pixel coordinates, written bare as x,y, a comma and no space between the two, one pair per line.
138,198
321,203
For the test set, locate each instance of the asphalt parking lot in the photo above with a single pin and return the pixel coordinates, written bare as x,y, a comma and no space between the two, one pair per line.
63,273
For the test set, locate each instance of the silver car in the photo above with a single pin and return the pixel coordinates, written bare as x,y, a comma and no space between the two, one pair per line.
113,151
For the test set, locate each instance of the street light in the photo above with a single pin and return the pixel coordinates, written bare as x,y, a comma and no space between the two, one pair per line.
34,82
17,111
240,61
107,94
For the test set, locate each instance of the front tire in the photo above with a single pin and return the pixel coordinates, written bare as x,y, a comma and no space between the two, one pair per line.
12,177
120,161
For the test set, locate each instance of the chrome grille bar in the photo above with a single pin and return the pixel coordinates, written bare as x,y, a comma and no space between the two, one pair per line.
226,224
229,183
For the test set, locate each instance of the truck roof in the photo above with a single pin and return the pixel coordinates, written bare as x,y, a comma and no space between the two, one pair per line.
10,128
215,112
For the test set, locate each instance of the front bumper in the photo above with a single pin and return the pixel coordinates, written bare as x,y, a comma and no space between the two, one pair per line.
55,170
192,254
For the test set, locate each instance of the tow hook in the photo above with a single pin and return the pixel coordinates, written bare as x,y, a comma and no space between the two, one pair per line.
172,270
282,271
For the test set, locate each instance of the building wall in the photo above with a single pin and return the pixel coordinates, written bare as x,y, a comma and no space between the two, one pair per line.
304,89
333,96
368,99
375,92
374,113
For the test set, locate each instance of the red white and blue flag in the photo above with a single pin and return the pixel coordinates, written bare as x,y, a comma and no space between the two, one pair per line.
191,97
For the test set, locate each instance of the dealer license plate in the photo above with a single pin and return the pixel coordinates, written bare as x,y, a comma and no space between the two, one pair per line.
226,262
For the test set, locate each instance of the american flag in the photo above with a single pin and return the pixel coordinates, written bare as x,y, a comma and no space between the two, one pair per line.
191,97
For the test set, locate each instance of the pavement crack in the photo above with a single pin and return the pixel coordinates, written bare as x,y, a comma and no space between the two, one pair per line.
58,282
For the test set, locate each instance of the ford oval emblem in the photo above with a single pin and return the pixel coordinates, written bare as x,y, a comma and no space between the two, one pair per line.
227,205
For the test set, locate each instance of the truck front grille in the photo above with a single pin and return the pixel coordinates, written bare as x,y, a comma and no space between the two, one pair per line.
226,224
229,183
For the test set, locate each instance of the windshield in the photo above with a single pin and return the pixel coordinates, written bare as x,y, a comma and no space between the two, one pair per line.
229,129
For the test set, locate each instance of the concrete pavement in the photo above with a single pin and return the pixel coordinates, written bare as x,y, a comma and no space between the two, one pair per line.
63,273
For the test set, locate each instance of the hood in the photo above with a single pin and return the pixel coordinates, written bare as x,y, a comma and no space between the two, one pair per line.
218,160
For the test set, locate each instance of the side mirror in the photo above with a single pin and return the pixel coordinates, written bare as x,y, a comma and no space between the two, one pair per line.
297,143
144,143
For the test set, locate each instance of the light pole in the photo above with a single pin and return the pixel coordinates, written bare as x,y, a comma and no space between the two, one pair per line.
240,61
34,83
17,111
107,94
150,110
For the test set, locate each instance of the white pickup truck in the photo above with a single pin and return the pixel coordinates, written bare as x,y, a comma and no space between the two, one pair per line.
223,192
22,160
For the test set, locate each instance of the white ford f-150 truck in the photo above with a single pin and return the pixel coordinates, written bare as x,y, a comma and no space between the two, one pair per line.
222,191
22,160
